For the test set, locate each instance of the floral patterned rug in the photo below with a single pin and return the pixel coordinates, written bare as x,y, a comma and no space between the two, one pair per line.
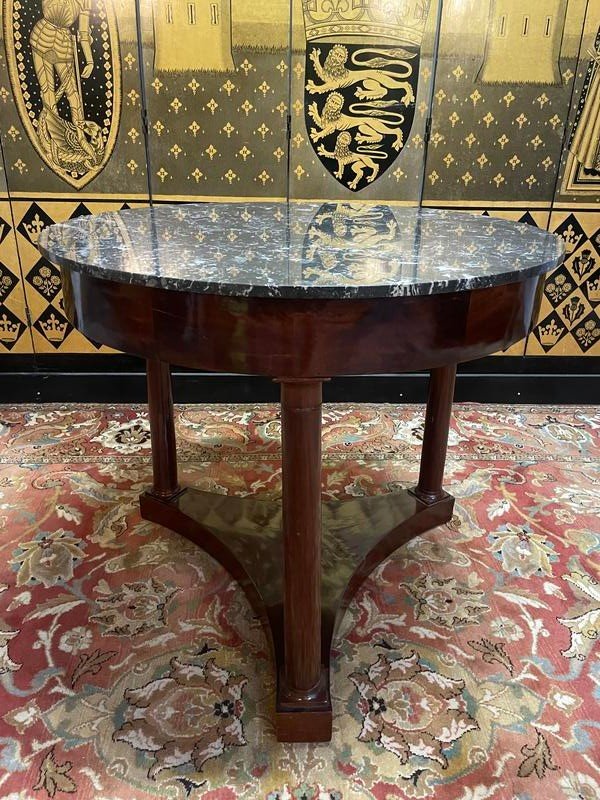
466,668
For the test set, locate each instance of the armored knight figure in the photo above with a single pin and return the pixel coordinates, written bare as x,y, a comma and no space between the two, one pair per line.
76,145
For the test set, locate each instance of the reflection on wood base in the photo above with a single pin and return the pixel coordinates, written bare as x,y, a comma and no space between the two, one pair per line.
244,536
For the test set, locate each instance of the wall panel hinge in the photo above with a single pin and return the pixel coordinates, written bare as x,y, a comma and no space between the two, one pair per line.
427,130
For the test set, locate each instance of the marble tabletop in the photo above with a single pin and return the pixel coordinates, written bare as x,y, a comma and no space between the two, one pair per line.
301,249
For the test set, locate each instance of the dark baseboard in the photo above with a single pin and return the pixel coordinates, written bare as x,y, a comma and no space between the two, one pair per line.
121,379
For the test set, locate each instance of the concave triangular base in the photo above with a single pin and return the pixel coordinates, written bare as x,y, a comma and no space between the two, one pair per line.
244,536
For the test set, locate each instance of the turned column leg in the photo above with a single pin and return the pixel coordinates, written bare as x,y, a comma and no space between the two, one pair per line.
162,429
435,438
301,476
303,684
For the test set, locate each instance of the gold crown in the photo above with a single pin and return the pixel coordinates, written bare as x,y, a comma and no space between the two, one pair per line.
550,334
9,331
402,21
54,329
593,289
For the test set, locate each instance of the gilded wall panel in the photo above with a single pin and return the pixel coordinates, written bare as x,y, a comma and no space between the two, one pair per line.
360,94
15,336
71,110
284,99
72,135
50,329
503,87
569,320
217,87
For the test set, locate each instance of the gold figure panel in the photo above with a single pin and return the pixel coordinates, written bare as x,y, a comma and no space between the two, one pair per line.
72,136
71,99
53,49
579,177
15,336
569,318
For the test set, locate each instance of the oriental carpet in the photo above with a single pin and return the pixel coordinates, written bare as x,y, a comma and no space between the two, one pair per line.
467,666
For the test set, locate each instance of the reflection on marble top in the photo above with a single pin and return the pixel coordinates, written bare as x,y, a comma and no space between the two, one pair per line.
304,249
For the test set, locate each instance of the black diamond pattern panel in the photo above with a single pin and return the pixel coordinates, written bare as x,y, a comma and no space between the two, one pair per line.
550,331
33,223
572,232
584,262
53,326
7,282
587,332
559,286
529,220
591,288
45,279
4,229
80,211
11,328
574,310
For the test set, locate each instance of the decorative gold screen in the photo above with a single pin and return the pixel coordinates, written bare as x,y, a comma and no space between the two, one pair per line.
491,106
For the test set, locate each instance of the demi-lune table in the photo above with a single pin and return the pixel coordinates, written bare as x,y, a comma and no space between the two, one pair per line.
300,292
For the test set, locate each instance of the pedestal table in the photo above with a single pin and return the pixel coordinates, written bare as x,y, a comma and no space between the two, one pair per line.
300,292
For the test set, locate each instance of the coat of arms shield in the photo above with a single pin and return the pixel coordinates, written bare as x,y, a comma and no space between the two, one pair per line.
362,71
64,67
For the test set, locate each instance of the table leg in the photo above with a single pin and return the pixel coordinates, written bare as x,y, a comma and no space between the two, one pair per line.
435,438
162,429
303,680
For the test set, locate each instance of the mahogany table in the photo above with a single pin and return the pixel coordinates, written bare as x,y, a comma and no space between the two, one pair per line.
300,292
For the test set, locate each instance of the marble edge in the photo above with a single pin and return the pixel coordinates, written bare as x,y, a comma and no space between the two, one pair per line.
296,292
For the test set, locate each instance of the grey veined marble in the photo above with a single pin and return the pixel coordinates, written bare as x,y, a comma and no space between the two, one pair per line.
302,249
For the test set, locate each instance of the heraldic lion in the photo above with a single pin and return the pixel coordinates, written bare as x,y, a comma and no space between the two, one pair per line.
372,128
376,82
357,161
